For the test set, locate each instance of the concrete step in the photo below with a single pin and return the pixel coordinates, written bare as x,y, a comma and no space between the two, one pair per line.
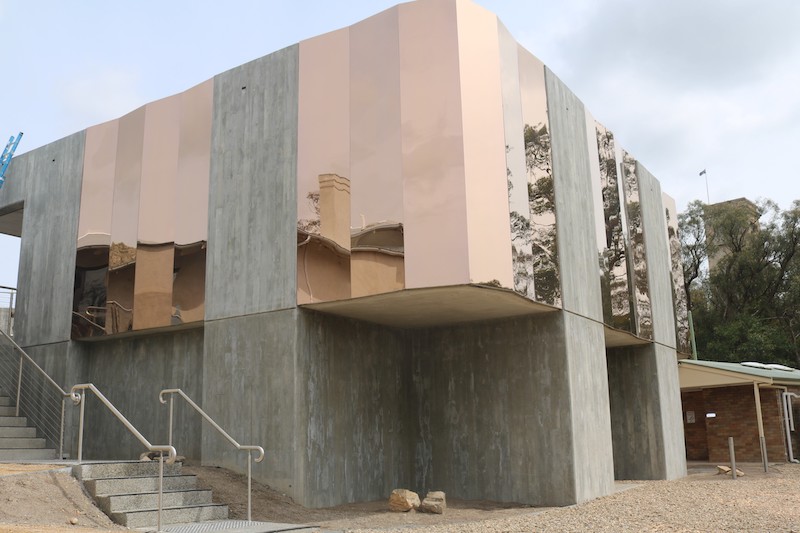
149,500
5,401
8,410
175,515
21,442
126,469
17,431
13,421
22,454
115,486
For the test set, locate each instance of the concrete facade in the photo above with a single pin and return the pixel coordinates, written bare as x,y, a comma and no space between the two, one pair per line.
457,341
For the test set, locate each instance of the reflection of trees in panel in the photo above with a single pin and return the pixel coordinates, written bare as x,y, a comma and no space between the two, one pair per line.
680,306
613,263
633,211
541,199
311,225
521,256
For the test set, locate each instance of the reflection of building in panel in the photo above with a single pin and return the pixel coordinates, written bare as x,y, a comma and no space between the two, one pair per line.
398,254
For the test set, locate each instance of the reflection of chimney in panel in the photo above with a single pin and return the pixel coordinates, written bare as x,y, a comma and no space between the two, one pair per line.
334,209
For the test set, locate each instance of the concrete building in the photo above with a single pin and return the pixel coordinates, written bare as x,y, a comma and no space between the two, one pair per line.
400,254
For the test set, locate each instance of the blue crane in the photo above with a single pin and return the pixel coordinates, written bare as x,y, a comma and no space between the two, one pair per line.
8,153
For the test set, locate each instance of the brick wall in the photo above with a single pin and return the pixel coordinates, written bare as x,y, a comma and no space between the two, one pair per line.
736,417
694,432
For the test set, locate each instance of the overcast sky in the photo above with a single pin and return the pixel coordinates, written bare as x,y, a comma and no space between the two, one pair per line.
685,85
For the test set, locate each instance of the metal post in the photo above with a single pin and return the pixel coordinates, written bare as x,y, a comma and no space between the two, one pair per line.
249,486
10,311
170,419
760,420
691,336
733,457
160,487
80,429
61,433
19,383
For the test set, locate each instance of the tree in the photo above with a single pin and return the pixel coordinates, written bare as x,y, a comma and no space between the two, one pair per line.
747,302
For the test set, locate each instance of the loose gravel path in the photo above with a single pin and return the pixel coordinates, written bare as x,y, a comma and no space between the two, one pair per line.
699,503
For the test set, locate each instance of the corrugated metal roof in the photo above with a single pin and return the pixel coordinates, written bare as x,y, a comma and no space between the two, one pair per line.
791,376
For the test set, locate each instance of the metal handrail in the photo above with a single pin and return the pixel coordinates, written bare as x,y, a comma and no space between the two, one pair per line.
250,449
64,394
77,398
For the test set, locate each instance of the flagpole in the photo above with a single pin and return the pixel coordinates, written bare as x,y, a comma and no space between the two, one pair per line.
708,196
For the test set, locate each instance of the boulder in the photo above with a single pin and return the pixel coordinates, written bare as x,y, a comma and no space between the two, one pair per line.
403,500
434,502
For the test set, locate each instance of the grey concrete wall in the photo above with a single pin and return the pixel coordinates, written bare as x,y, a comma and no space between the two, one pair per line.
15,188
253,388
52,177
131,372
577,240
360,432
645,413
659,272
252,203
498,412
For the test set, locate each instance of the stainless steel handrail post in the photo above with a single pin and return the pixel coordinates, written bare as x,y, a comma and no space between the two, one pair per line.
160,489
61,432
230,439
81,399
19,384
171,404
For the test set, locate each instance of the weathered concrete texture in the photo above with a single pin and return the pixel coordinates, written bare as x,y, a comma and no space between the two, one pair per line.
645,413
577,240
495,408
15,188
659,263
130,373
253,389
47,249
252,206
359,435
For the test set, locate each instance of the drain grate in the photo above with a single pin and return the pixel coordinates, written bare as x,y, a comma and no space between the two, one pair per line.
235,526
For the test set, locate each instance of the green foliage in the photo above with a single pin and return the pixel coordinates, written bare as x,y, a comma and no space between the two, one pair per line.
747,304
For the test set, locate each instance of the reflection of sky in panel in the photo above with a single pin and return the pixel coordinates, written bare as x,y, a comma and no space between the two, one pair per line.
194,159
125,215
376,181
323,137
159,165
97,188
597,191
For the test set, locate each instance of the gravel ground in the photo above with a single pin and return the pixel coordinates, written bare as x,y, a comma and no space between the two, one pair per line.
699,503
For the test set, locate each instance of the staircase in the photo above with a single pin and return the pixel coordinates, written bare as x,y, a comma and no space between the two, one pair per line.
18,440
128,493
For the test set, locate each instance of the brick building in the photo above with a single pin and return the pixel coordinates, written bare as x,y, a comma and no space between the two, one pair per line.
739,400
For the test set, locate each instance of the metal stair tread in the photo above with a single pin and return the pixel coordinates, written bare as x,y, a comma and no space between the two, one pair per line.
178,507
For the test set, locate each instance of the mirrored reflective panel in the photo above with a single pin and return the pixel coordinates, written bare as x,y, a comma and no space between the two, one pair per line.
94,231
613,258
125,222
375,228
541,193
678,288
516,171
146,269
323,169
638,258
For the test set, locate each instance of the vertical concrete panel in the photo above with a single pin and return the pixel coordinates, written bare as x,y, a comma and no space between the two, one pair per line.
359,430
646,413
434,194
249,388
48,245
574,205
15,188
659,263
591,413
252,204
495,413
489,237
130,373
